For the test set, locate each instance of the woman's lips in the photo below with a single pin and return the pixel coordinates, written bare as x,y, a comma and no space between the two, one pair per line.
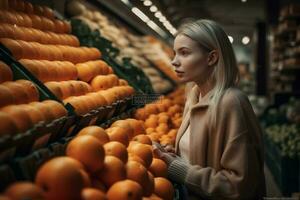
179,72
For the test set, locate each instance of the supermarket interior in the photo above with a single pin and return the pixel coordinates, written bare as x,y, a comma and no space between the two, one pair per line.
88,89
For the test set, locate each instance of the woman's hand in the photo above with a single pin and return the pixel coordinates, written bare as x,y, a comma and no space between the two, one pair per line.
169,148
163,154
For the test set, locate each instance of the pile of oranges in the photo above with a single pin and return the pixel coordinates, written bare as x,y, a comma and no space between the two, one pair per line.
44,45
114,163
163,117
20,108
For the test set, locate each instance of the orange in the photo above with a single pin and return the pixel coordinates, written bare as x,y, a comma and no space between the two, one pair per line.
6,96
152,197
67,89
151,109
13,46
123,82
151,122
61,179
112,171
174,109
88,150
20,117
24,190
163,188
109,96
59,26
135,158
125,190
116,149
154,136
150,130
55,88
7,124
144,139
149,188
138,173
57,108
80,106
143,151
138,126
48,12
92,194
140,114
85,73
158,168
34,114
125,125
31,65
162,128
5,73
45,110
172,133
98,98
30,89
118,134
20,96
95,131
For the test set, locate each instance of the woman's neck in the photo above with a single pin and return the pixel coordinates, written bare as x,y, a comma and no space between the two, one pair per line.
204,88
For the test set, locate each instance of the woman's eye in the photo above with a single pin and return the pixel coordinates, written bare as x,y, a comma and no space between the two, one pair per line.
184,53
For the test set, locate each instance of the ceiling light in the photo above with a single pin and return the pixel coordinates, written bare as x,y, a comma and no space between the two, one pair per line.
245,40
140,14
153,9
230,38
147,3
244,1
158,14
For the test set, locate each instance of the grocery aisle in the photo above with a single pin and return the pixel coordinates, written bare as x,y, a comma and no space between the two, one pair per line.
88,92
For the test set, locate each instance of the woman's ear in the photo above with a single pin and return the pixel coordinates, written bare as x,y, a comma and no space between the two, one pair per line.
213,57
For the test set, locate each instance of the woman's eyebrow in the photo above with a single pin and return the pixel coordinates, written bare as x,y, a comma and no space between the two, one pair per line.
181,48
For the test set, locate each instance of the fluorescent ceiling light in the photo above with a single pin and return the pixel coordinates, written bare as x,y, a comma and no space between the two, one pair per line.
153,9
244,1
140,14
147,3
230,38
245,40
158,14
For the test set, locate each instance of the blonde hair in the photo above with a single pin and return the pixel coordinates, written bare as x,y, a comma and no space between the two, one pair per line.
211,36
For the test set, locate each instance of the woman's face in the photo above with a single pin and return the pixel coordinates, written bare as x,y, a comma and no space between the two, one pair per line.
191,62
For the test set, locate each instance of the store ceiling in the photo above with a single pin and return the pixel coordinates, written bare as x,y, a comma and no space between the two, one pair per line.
238,18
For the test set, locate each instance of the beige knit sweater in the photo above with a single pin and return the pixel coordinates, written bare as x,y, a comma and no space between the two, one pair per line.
225,163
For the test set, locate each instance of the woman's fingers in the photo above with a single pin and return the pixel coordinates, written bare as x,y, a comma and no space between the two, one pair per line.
170,148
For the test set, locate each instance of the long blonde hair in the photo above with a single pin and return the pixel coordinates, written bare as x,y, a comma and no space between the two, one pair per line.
211,36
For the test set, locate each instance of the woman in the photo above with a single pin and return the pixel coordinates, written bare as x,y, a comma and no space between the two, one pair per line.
219,151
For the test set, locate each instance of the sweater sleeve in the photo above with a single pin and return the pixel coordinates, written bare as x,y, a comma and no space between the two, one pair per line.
240,163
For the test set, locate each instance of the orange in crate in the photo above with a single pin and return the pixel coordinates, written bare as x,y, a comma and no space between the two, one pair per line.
112,171
7,124
30,89
124,124
125,190
158,168
13,46
57,108
24,190
163,188
45,110
19,115
61,179
102,82
6,96
138,173
92,194
34,114
88,150
17,89
143,151
116,149
95,131
118,134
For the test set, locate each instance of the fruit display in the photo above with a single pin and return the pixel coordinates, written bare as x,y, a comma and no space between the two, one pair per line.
129,45
73,73
163,117
113,163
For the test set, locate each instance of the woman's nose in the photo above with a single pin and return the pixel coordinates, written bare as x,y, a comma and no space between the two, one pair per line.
175,62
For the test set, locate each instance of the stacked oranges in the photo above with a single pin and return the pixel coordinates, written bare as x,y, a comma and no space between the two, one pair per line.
163,117
116,163
20,108
46,48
